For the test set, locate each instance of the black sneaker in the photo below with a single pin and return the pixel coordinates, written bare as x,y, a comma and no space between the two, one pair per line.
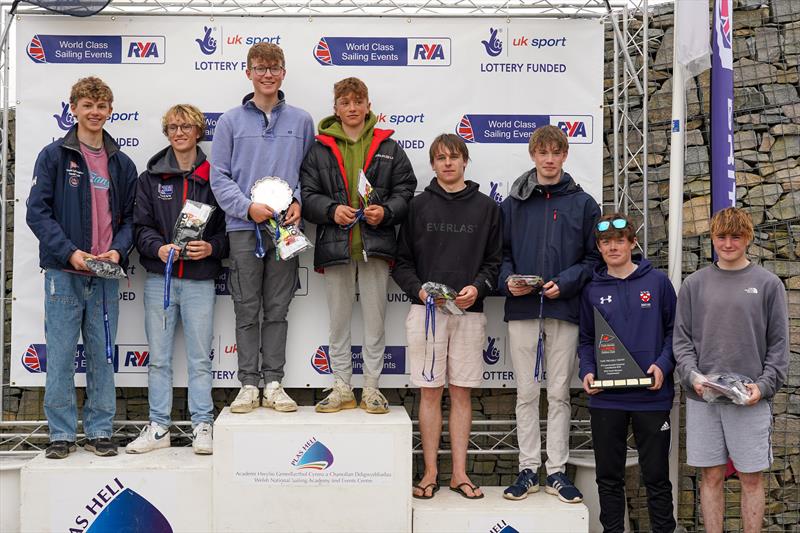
59,449
527,482
104,447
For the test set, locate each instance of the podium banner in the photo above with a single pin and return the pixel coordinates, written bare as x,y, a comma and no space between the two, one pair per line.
491,81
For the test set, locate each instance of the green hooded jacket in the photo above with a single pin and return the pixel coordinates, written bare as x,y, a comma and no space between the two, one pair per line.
354,155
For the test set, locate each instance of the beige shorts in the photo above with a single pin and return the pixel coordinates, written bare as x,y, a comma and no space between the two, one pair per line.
459,348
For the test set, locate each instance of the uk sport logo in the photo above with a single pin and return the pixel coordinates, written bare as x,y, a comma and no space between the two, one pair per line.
207,44
493,46
313,455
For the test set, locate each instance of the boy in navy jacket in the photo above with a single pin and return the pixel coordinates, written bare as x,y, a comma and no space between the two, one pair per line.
81,207
638,302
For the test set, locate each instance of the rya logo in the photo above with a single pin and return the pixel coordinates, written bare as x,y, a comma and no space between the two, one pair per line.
429,51
208,45
573,129
143,49
65,120
494,46
491,354
313,455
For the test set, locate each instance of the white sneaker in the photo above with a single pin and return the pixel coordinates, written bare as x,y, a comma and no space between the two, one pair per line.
246,400
373,401
341,397
276,398
153,437
202,441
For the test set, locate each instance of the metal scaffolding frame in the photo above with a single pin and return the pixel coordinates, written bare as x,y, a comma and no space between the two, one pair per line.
628,18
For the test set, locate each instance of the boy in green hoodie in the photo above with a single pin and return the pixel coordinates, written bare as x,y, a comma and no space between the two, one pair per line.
355,232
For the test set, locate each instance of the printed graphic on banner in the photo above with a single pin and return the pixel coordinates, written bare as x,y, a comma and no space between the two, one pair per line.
313,455
491,354
34,360
394,360
297,458
517,129
65,119
116,507
132,359
383,51
211,125
502,527
94,49
723,169
535,51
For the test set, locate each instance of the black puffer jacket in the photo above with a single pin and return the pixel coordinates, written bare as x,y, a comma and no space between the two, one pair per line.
324,187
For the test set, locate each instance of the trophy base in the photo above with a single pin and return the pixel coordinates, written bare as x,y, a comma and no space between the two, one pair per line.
622,383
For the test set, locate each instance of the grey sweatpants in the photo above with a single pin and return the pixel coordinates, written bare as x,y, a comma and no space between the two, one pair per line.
255,284
340,287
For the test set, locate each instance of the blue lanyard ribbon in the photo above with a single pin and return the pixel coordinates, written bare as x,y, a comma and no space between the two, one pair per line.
168,282
430,321
106,324
259,251
539,371
359,216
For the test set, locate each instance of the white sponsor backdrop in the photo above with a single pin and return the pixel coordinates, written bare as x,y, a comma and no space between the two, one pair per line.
490,80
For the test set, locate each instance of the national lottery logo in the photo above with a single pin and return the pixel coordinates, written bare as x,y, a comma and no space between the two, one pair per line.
491,354
493,46
494,193
65,120
208,44
312,455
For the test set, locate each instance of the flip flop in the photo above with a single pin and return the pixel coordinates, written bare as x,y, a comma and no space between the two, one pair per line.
434,490
461,491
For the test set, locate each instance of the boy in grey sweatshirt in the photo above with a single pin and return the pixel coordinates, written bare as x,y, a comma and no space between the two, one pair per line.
731,318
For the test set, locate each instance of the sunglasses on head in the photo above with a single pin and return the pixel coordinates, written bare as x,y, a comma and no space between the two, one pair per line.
618,223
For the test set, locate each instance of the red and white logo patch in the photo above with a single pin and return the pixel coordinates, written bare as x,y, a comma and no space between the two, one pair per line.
644,296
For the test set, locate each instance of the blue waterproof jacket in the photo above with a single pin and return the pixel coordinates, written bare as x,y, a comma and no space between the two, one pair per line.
548,230
641,311
60,201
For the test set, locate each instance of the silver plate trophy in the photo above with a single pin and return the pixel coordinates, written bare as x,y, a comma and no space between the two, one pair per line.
275,193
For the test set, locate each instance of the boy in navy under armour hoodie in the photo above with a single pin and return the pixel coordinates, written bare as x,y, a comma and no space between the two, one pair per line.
638,302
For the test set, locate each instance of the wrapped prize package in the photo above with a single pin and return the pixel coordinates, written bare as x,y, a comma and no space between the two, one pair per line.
191,224
442,293
723,388
103,268
522,280
289,240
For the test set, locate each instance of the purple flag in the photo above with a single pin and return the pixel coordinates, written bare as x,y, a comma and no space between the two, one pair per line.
723,169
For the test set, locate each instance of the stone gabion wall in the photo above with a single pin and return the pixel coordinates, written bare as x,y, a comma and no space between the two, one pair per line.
767,141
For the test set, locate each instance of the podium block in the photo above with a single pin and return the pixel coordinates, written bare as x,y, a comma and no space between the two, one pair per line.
165,490
306,471
449,512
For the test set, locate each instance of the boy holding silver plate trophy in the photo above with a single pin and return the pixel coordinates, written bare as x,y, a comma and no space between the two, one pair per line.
263,137
626,363
356,183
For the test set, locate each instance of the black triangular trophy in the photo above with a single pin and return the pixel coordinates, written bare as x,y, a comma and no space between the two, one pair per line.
616,369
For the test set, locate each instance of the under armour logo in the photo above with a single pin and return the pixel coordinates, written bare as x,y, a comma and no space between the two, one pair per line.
605,299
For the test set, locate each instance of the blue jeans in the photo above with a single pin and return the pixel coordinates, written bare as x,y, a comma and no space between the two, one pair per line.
73,306
192,301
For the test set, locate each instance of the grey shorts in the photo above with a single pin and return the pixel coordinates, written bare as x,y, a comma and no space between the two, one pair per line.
715,432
